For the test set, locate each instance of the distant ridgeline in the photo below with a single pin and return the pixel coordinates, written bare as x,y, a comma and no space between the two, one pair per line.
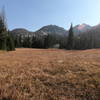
51,36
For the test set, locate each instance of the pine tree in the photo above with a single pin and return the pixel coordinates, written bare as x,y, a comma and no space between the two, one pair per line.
70,41
46,41
6,40
50,40
3,31
10,42
18,41
27,42
34,42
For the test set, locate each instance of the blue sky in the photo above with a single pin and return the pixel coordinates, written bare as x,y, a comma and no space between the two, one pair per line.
33,14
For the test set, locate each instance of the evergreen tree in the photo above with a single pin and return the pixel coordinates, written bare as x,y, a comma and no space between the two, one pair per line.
46,41
70,41
18,41
37,42
27,42
3,32
10,42
50,40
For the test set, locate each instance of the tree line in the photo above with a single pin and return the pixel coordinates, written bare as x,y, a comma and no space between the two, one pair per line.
70,42
42,42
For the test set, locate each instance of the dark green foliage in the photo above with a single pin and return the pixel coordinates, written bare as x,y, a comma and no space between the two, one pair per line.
2,26
70,41
18,41
26,42
10,42
37,42
3,41
3,34
6,40
46,41
51,40
63,42
84,41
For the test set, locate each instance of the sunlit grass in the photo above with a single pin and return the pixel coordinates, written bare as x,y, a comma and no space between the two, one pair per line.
33,74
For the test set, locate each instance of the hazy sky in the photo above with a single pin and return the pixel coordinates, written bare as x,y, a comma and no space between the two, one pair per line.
33,14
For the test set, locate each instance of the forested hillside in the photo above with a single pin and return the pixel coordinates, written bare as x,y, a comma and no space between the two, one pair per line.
51,36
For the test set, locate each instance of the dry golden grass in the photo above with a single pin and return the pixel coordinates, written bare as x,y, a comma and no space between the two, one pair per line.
37,74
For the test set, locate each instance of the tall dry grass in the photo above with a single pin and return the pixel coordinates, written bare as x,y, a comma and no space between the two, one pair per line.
33,74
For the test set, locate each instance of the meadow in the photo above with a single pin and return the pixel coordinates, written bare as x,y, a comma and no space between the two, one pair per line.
50,74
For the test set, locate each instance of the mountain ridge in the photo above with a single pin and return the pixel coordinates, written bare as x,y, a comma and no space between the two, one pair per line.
54,29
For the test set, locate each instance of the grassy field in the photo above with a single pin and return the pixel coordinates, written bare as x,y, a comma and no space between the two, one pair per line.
37,74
